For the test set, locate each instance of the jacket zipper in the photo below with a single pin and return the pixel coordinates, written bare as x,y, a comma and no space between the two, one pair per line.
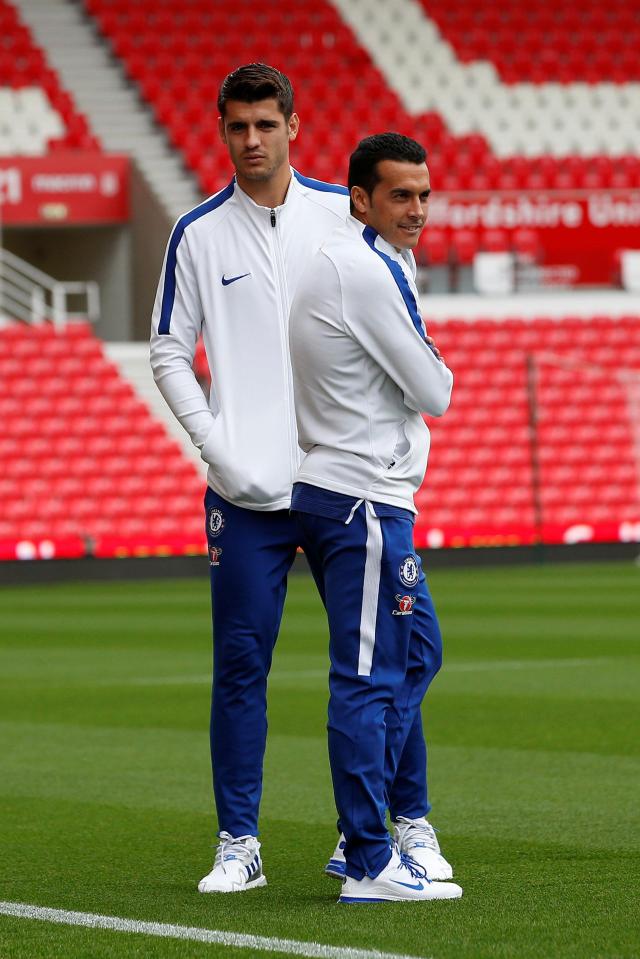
285,341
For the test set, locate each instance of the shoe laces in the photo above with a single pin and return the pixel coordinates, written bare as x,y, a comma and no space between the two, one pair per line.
235,847
416,870
417,833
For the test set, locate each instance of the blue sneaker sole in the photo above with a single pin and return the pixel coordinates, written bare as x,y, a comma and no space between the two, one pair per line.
336,869
352,901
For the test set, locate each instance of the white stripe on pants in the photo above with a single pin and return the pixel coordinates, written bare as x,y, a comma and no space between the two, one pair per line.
370,590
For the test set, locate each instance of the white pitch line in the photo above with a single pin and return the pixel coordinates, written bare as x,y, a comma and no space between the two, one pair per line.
291,674
197,679
235,940
502,664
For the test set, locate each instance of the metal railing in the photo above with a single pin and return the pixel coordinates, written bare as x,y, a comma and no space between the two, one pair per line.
30,295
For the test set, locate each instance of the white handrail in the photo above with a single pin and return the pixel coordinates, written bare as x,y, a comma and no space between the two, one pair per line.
31,295
22,266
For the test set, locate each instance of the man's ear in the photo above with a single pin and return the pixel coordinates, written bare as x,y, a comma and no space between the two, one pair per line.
221,130
294,126
360,199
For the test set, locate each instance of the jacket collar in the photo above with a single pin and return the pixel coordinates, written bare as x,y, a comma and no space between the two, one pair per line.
259,212
404,257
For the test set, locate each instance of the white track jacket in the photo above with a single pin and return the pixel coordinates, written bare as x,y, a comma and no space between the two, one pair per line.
230,270
363,373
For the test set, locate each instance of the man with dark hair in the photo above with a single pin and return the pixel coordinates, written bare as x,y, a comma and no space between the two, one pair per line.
255,82
231,267
365,161
364,373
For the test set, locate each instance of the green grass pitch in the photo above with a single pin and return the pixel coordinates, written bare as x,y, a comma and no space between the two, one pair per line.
534,751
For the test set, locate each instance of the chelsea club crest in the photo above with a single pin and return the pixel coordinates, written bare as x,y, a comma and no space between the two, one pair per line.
409,571
216,521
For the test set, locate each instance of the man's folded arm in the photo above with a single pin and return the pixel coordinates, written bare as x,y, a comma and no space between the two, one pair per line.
382,325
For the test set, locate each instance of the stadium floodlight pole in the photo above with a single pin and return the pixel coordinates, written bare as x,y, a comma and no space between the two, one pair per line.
534,452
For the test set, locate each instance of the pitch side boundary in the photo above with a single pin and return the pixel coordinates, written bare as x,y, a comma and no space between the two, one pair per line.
234,940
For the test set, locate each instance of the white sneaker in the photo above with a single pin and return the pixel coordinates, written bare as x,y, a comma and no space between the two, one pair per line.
237,866
337,865
417,838
401,879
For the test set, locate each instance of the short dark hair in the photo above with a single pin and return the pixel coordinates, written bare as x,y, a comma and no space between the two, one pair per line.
363,162
257,81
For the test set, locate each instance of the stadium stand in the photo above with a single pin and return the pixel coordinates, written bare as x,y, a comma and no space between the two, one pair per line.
178,54
522,75
540,438
84,469
541,441
557,42
36,114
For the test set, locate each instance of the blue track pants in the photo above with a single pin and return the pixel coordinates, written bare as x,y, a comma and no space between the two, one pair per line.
385,648
250,554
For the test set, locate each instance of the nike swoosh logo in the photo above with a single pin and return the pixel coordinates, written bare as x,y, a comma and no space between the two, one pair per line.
232,279
409,885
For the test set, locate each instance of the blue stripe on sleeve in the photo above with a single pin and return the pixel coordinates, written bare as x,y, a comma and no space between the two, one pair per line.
169,289
320,185
369,235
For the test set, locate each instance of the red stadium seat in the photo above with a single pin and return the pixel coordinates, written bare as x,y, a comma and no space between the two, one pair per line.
495,241
433,248
464,245
526,245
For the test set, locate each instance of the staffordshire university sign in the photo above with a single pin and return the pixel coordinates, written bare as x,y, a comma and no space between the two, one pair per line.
579,227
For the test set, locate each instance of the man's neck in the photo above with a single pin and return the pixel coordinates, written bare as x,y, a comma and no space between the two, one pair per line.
359,216
270,193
